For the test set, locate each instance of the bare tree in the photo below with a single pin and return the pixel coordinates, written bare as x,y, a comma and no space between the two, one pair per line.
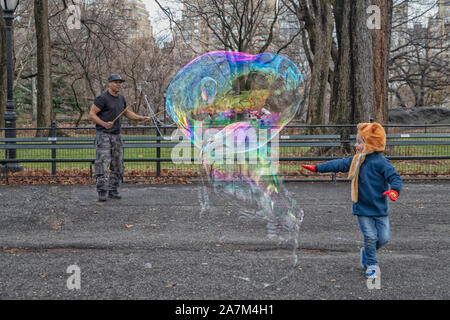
24,44
148,69
418,65
25,57
235,25
85,56
424,70
316,19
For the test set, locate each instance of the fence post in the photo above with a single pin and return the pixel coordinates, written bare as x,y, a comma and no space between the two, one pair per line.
165,120
6,173
333,177
158,153
53,135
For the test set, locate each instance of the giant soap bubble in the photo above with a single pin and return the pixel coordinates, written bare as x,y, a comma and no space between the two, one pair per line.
220,88
231,106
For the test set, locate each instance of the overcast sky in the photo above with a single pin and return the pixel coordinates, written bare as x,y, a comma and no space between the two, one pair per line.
159,20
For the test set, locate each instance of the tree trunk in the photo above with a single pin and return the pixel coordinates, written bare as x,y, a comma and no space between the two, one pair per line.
44,81
2,70
341,107
380,49
341,100
320,42
362,62
361,74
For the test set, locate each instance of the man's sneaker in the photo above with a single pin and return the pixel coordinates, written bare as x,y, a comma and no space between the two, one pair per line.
363,258
372,271
114,194
102,196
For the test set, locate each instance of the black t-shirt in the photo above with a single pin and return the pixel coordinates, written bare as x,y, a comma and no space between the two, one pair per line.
110,107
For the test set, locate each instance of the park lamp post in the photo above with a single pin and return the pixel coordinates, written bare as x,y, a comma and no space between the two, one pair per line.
8,7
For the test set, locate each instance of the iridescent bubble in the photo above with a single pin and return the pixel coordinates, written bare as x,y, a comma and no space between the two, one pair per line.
220,88
232,105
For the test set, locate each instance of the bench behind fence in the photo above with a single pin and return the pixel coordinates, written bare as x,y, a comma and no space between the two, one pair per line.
331,142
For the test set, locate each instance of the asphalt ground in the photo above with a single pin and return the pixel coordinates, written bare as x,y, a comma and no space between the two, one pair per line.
158,243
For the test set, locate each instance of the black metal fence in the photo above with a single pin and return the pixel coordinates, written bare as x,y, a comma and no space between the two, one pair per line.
420,151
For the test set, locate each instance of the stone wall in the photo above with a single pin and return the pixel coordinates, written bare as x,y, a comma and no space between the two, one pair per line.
420,115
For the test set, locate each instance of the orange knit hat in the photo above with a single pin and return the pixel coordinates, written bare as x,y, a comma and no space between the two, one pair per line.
374,138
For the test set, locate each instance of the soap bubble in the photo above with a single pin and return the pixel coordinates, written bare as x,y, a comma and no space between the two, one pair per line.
220,88
232,105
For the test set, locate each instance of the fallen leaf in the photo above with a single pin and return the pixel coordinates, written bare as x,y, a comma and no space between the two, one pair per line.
170,285
128,226
42,275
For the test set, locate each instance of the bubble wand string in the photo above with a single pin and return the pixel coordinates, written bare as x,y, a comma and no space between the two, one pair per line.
150,110
152,114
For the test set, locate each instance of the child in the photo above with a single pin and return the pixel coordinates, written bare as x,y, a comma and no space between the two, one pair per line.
370,173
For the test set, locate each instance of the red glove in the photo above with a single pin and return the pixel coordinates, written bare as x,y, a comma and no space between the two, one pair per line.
392,194
310,168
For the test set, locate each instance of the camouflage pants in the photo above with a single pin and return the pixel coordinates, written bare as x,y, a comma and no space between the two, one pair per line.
109,153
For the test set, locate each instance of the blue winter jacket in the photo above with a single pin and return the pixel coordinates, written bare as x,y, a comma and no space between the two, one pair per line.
375,175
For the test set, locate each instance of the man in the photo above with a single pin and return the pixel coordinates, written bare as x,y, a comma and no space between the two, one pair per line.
108,142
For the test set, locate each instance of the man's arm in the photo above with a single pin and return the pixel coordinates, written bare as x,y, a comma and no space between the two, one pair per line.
94,117
133,116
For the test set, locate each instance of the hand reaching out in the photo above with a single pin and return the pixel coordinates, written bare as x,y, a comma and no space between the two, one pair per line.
311,168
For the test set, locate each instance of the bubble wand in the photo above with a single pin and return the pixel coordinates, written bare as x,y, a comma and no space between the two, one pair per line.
123,111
